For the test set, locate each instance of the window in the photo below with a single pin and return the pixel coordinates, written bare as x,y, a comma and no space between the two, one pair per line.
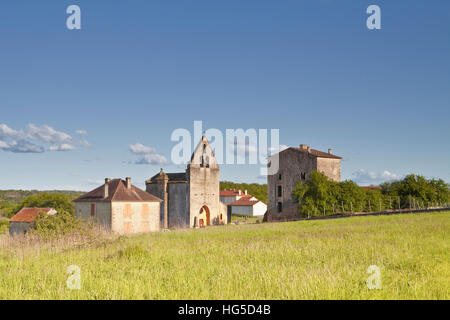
145,211
280,207
279,176
204,148
92,209
202,161
127,213
280,191
207,161
303,175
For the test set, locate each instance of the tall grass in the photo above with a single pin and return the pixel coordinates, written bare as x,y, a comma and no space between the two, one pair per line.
293,260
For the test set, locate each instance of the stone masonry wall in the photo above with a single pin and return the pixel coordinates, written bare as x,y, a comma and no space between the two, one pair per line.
330,167
102,213
135,217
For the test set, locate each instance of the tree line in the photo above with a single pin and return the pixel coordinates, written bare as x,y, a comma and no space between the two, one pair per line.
322,196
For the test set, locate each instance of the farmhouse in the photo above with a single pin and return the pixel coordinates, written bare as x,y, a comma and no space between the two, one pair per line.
121,207
190,198
25,218
294,165
248,206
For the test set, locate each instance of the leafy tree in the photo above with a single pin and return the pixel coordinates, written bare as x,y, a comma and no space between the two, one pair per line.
259,191
60,202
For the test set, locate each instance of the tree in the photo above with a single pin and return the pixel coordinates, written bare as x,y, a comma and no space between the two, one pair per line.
60,202
320,195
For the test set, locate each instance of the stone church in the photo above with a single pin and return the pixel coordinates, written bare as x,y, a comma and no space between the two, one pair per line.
191,199
294,165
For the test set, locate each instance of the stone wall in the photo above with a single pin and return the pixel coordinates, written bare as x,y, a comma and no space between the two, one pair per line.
178,205
102,214
18,228
135,217
157,189
291,166
330,167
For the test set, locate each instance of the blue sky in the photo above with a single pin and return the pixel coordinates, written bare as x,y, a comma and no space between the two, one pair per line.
137,70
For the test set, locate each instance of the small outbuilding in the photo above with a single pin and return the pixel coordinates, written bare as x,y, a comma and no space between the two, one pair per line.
24,220
248,206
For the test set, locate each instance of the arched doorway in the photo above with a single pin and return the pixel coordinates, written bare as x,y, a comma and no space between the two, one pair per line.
204,217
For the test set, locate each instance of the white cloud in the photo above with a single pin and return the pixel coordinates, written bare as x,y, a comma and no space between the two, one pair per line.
62,147
95,182
19,141
369,177
148,154
386,175
153,158
46,134
139,148
21,146
7,132
81,132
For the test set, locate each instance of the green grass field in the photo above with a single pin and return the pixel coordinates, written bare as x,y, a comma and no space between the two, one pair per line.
324,259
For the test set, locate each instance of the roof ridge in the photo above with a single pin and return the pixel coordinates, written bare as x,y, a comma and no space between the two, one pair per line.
117,188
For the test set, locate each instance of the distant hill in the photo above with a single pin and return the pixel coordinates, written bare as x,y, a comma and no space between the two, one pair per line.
16,196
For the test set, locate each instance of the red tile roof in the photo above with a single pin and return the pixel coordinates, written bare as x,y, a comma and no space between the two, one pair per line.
370,187
117,191
29,214
241,202
229,193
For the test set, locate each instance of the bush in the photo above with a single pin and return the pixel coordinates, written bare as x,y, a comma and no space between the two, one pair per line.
4,226
57,225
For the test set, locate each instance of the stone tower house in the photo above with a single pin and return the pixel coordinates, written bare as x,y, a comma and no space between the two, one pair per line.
294,165
190,198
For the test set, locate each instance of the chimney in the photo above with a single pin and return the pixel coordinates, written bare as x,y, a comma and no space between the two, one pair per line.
245,192
106,189
303,146
330,151
309,149
128,180
240,192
